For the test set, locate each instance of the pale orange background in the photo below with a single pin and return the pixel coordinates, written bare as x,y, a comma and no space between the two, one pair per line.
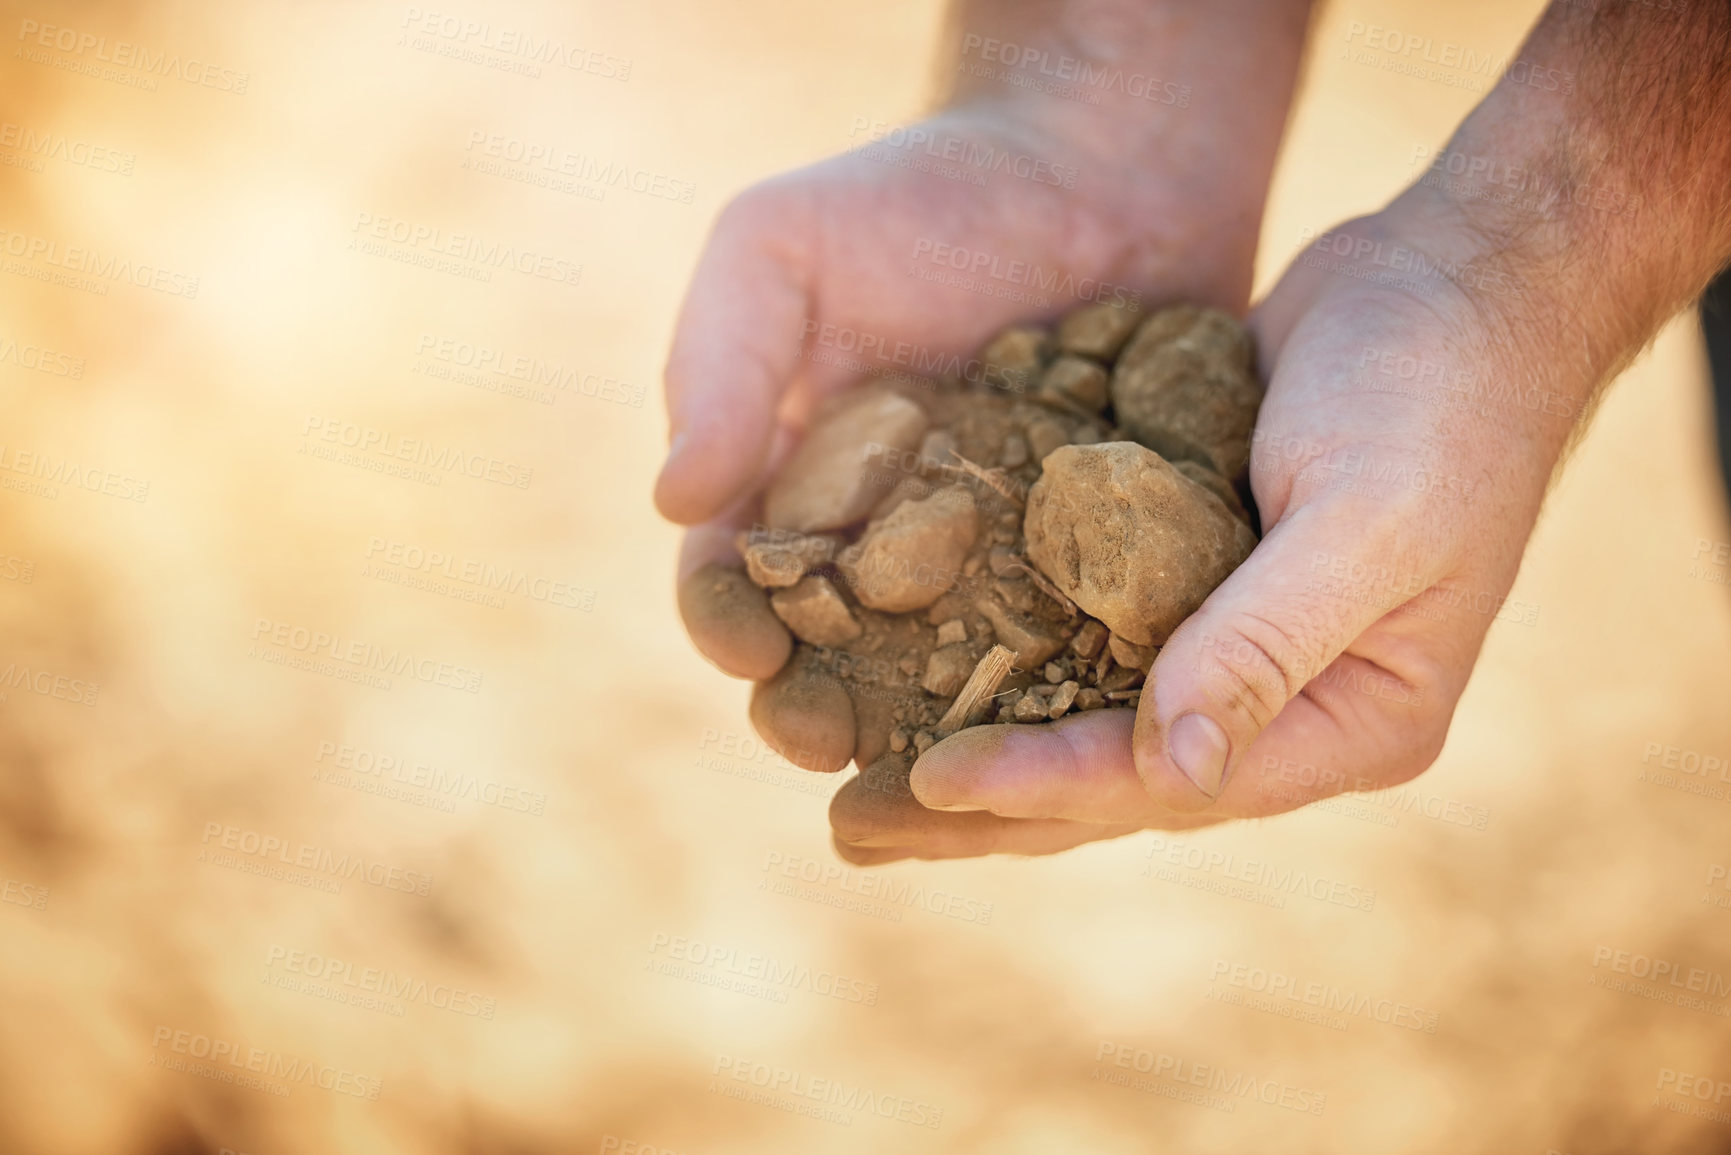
606,712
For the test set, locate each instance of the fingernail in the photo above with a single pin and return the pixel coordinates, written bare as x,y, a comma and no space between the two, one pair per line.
952,807
1198,746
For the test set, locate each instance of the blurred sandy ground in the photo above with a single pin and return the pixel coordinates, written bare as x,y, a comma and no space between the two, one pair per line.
657,827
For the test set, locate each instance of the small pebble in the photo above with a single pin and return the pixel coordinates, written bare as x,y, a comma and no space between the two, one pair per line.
1054,673
951,632
923,741
1067,693
1089,638
1089,699
1030,708
1015,454
898,740
1044,436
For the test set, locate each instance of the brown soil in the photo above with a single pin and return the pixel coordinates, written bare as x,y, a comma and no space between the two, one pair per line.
943,542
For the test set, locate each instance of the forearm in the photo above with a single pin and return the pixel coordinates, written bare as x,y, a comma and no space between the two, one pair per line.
1188,98
1596,178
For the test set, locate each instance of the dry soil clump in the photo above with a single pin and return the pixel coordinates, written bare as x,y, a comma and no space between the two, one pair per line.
1008,545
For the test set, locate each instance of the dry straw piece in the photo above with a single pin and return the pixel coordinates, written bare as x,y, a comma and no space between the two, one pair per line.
980,687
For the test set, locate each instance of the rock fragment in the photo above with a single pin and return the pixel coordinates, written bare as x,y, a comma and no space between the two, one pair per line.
1033,641
911,558
1129,538
832,478
815,612
1013,358
1089,638
1185,387
1078,381
952,631
1128,653
947,670
1045,435
1098,331
1061,700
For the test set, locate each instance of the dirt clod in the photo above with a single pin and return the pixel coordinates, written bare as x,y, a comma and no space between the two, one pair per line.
1130,539
815,613
827,483
984,550
907,560
1185,388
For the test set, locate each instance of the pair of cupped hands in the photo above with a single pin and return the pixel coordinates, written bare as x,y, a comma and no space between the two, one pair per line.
1394,513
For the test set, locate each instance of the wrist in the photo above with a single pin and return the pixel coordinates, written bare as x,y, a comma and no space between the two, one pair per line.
1171,112
1593,177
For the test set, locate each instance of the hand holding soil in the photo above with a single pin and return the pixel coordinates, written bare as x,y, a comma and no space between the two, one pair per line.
949,553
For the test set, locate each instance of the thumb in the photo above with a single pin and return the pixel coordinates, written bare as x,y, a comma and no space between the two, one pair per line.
734,353
1236,664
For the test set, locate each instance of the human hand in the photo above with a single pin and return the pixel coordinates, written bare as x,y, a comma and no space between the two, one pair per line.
830,249
1398,478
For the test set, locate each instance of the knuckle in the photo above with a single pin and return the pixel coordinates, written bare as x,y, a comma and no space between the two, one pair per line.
1258,665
